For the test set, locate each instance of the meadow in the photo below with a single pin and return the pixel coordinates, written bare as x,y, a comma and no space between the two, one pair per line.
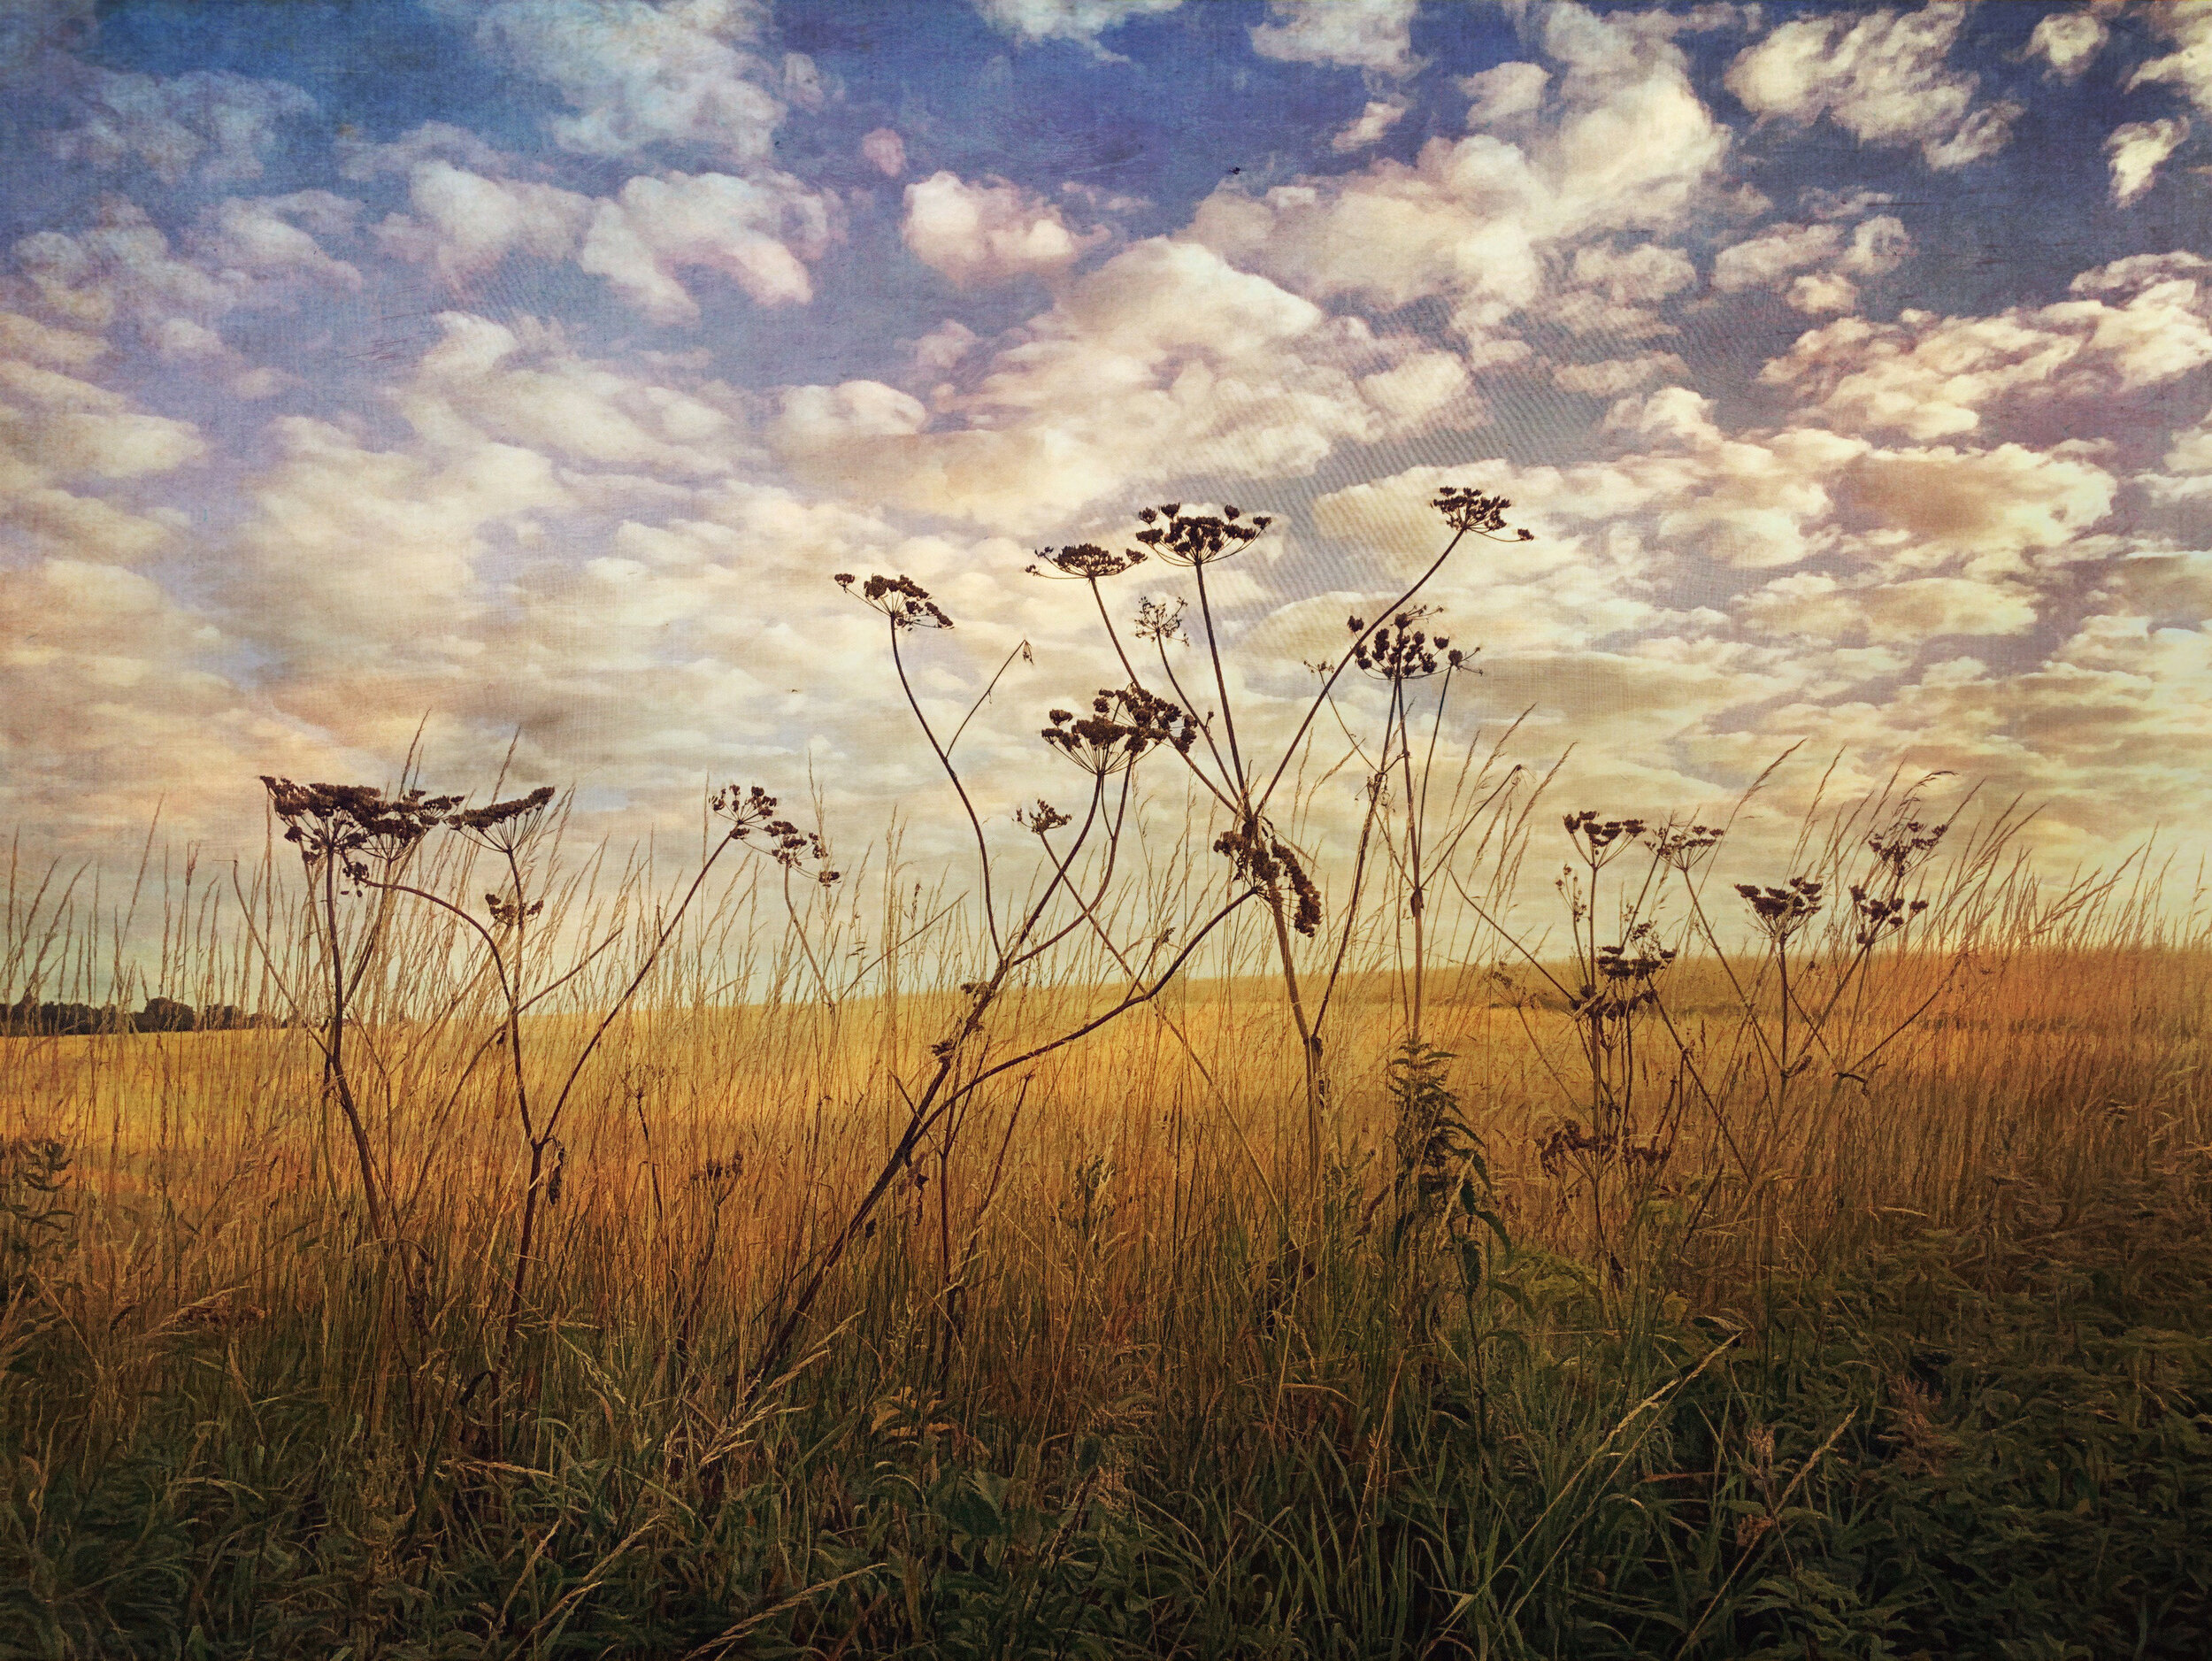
1199,1245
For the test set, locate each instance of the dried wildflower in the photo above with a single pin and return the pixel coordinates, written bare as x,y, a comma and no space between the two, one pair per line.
906,601
1122,724
1198,539
1682,846
1265,861
1905,844
1398,651
1470,509
354,823
1040,819
1781,912
1879,916
1160,620
1085,560
504,826
509,912
752,813
1601,840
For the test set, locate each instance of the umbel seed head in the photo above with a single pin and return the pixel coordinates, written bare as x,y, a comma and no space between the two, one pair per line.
1198,539
906,601
1085,560
1466,509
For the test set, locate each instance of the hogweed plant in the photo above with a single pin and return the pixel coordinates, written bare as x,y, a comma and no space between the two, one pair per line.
1241,784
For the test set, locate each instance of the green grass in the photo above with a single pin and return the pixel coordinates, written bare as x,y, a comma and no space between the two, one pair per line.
1988,1444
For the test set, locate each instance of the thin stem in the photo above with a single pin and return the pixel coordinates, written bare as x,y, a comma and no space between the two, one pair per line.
944,759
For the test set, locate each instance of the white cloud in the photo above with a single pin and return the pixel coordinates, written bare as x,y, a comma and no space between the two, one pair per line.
1627,146
1823,291
1882,77
2189,66
2138,150
1891,613
757,231
361,160
1163,362
884,150
1506,97
643,75
212,125
1987,511
1775,252
1929,377
243,252
1079,20
2068,42
270,235
1371,126
463,224
1374,35
62,437
485,382
983,235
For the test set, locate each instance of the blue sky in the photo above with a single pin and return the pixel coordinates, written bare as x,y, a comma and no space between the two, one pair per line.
528,366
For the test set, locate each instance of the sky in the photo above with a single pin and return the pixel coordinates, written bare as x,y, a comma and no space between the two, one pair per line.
517,372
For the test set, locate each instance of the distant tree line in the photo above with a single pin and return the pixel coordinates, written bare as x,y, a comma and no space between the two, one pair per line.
29,1018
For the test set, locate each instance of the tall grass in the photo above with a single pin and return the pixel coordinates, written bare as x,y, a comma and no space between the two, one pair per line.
1714,1272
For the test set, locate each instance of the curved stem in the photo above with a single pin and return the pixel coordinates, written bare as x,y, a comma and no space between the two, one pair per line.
982,850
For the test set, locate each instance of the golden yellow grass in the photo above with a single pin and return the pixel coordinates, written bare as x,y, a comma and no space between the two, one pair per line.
711,1148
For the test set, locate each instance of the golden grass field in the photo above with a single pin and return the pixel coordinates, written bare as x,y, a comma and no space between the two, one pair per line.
1097,1279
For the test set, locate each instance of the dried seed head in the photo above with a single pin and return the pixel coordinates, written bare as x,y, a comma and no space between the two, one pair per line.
353,824
1600,840
906,601
504,826
1467,510
1085,560
1681,846
1199,539
1123,723
1160,620
1780,912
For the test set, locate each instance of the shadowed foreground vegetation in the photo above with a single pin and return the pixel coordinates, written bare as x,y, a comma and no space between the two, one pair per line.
792,1261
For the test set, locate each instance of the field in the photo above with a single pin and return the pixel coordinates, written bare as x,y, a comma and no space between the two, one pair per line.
1858,1313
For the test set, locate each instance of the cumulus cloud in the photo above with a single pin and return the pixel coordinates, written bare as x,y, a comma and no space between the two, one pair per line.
1775,252
1891,613
1506,97
242,252
487,383
983,235
1079,20
1778,252
1987,511
1374,35
2068,42
208,125
63,436
641,75
884,150
461,223
1371,126
2138,150
1882,77
1626,146
1928,376
1164,361
758,231
2189,65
